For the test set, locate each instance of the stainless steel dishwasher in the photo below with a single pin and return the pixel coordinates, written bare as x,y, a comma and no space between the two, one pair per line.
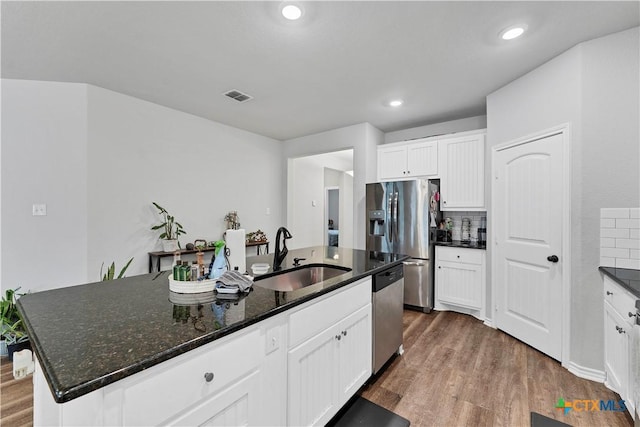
388,297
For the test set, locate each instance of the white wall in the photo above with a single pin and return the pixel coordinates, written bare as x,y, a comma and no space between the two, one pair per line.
594,87
452,126
363,138
44,153
104,158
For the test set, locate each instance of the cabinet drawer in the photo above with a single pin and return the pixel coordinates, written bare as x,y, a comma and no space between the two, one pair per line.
181,383
312,320
621,300
468,256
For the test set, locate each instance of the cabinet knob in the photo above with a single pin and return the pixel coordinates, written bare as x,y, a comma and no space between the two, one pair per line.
458,256
408,172
338,337
344,333
609,293
404,172
208,376
439,267
553,258
620,330
633,315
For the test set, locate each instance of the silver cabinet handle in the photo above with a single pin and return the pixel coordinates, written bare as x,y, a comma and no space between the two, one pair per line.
208,376
620,330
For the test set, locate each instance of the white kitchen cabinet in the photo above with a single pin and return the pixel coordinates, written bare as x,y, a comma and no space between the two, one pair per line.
221,383
461,171
619,308
460,280
327,368
407,160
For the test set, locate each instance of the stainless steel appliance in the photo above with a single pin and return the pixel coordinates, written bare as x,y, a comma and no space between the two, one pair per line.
388,287
401,218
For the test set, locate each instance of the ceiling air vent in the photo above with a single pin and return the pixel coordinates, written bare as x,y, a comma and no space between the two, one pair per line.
238,96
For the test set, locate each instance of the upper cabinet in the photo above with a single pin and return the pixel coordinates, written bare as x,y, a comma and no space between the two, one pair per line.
457,159
408,160
461,172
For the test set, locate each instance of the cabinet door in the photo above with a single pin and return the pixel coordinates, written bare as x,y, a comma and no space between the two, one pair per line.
459,284
616,348
312,384
461,167
392,162
354,353
236,405
422,159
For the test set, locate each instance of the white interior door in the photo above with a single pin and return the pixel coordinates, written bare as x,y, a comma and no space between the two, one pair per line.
528,222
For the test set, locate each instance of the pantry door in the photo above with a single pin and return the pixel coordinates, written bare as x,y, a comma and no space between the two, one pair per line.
528,187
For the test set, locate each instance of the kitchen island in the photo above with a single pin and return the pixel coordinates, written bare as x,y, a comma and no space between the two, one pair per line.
103,346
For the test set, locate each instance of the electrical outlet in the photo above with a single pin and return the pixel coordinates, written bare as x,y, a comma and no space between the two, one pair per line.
39,209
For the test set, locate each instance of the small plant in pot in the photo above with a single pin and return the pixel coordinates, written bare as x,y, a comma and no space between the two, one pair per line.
171,230
12,329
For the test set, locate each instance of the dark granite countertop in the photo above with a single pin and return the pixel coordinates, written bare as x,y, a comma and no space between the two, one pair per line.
92,335
459,244
627,278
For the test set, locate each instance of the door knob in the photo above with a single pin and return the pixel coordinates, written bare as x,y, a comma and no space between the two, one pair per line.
553,258
208,377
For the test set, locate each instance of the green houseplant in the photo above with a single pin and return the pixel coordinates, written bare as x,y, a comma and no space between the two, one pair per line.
111,271
12,329
171,230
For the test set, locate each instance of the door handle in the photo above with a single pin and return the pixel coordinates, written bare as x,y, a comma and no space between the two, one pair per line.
553,258
413,263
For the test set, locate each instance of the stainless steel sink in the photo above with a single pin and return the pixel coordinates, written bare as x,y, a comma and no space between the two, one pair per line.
300,277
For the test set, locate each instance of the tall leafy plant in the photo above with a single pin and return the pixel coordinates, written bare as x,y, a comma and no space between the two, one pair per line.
111,271
172,229
12,329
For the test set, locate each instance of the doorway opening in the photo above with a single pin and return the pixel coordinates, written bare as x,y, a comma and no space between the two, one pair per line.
320,190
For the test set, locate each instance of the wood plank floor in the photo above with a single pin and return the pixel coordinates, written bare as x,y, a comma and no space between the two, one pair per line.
456,371
16,397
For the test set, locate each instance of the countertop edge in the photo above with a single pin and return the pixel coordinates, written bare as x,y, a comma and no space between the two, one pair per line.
612,274
63,396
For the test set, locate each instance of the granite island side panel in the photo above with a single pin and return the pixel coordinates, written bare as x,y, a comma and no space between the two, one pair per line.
89,336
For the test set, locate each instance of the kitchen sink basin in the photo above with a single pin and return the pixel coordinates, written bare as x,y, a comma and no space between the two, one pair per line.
300,277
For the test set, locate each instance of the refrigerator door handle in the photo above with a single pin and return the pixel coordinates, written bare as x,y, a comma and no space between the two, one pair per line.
390,222
395,213
413,263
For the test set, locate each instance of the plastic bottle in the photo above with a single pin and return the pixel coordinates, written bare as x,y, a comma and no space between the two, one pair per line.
195,271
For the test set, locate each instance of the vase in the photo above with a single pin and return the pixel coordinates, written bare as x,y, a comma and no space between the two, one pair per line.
169,245
12,348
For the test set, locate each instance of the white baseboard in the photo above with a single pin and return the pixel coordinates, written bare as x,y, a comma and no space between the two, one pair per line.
489,323
586,373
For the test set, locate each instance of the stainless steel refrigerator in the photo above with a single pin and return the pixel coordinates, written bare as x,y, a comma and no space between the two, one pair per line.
402,217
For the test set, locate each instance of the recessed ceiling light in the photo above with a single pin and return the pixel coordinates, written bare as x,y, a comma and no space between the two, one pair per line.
512,32
395,103
292,12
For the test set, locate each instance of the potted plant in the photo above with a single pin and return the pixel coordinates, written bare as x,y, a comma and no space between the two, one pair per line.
171,230
111,271
12,329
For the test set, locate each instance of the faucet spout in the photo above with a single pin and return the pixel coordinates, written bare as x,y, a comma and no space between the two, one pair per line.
280,252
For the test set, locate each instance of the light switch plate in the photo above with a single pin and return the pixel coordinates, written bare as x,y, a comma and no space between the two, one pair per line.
39,209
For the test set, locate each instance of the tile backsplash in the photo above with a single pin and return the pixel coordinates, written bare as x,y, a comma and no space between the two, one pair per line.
620,237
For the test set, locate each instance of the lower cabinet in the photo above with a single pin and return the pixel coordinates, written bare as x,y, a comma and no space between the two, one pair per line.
619,310
296,368
326,370
460,280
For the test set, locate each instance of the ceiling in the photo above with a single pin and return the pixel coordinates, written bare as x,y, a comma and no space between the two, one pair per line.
336,66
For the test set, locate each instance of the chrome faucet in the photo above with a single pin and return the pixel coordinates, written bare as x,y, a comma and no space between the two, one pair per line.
279,255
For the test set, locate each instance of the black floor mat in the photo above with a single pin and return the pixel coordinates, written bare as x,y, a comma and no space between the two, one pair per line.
538,420
361,412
